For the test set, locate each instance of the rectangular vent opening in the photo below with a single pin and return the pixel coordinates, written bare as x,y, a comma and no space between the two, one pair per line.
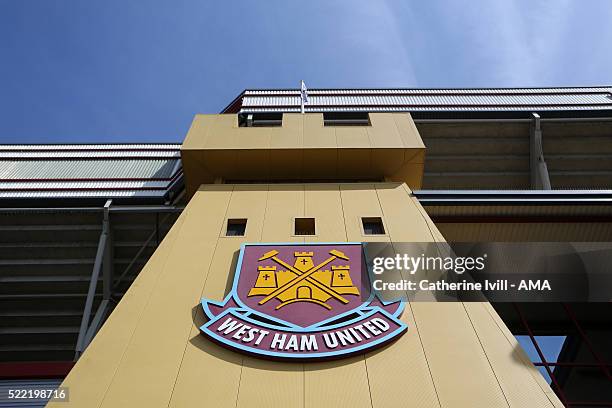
260,120
346,119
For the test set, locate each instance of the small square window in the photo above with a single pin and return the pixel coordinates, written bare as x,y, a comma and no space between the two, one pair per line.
236,227
304,226
373,226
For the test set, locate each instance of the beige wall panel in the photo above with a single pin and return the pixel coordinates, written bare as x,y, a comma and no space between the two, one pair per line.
198,130
399,374
411,174
406,223
285,202
317,136
254,137
204,362
360,200
408,130
323,202
416,227
459,367
193,163
271,384
405,357
223,162
105,351
286,164
355,163
387,161
352,136
511,372
436,234
291,134
223,132
414,156
384,132
155,364
257,161
520,353
337,384
515,375
321,163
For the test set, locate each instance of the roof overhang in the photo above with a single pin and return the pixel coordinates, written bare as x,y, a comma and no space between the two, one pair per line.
43,175
469,101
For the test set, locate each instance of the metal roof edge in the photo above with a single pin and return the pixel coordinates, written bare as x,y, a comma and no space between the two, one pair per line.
228,108
89,146
551,89
513,197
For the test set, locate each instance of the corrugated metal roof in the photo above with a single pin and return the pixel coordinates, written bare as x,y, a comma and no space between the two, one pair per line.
85,147
429,109
80,171
90,154
86,169
463,91
434,100
83,185
393,100
84,194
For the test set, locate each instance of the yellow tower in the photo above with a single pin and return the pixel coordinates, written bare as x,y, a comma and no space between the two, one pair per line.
150,352
266,280
303,261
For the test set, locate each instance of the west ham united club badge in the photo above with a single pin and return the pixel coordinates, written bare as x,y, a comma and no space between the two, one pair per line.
306,301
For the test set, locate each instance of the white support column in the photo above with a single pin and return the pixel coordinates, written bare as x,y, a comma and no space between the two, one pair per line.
102,262
540,179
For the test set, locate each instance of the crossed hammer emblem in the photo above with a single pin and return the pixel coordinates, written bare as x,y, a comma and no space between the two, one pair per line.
304,275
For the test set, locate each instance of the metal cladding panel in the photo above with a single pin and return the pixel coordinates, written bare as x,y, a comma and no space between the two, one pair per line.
86,169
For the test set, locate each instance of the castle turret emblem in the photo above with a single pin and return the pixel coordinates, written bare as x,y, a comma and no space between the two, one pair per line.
304,281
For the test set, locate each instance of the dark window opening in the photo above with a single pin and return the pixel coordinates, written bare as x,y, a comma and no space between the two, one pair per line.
304,226
373,226
236,227
260,120
346,119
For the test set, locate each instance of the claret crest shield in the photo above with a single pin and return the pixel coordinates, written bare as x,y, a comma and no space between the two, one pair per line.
301,301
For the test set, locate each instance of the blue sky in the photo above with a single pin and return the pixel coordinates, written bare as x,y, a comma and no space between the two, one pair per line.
137,71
